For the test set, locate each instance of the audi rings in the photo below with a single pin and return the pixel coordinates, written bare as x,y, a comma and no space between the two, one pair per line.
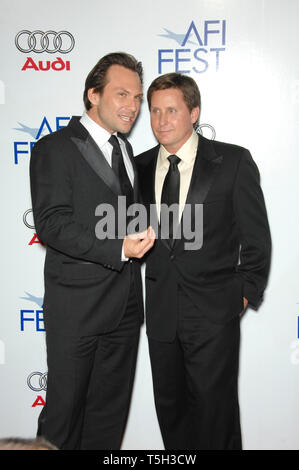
39,383
38,41
25,219
201,126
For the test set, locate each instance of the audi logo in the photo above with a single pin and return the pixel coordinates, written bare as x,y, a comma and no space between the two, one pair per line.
37,381
25,219
50,41
201,126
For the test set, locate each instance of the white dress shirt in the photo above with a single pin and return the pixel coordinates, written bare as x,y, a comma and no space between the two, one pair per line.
187,154
101,137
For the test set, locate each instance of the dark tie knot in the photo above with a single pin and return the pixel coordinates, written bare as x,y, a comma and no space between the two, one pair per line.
114,142
174,159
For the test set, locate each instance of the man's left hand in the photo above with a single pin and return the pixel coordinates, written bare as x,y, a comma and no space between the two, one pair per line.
245,304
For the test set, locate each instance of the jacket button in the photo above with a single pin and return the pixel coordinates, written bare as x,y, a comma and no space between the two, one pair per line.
172,257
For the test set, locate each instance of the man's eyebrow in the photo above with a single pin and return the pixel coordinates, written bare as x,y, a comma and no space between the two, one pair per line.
127,91
120,88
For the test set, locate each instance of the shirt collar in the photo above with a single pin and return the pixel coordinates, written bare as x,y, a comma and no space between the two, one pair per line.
186,153
97,132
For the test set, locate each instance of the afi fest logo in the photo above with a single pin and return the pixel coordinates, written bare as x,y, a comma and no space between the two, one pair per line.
24,147
50,42
199,49
32,316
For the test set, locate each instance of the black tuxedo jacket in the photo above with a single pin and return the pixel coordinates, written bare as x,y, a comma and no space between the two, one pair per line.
234,259
86,283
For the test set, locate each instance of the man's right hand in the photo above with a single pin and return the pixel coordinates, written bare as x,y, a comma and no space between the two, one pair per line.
137,244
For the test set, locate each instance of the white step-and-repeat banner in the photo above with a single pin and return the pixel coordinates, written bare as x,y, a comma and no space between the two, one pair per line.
244,57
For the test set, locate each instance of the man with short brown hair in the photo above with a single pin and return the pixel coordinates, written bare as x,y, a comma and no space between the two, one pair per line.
93,305
195,292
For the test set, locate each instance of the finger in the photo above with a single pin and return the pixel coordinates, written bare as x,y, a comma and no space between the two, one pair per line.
138,236
148,233
151,233
144,246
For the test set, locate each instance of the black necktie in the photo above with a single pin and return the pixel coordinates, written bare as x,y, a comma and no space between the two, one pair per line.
119,167
171,191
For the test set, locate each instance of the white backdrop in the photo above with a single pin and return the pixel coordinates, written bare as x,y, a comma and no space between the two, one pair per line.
243,55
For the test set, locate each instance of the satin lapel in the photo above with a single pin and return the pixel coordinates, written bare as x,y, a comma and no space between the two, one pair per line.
96,160
131,156
206,166
147,181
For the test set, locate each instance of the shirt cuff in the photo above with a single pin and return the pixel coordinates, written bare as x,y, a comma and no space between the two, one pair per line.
123,257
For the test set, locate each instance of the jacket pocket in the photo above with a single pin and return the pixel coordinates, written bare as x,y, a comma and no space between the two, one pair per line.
83,270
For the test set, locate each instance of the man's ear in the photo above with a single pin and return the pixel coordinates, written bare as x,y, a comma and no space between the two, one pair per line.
195,114
93,96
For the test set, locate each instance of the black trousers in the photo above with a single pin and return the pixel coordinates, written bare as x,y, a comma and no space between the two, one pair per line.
195,381
89,386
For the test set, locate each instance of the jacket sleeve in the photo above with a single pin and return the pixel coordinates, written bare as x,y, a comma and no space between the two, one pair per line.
52,204
254,232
